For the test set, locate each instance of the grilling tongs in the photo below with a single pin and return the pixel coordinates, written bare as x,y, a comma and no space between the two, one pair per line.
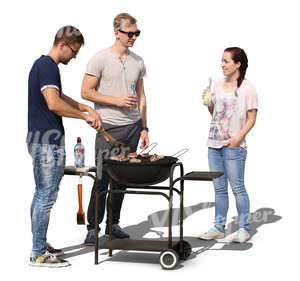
110,138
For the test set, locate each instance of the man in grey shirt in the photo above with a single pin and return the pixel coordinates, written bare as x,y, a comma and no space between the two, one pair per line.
114,82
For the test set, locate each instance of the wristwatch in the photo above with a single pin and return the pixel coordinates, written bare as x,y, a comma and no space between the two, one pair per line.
145,129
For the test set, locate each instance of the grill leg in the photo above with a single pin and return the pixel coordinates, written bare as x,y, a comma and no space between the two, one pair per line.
97,227
181,217
110,215
170,215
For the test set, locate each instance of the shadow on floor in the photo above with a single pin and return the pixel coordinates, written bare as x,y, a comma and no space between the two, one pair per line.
160,219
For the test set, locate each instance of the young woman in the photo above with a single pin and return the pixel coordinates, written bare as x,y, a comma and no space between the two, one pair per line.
233,107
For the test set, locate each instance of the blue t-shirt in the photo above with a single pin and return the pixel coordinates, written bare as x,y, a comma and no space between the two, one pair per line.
44,126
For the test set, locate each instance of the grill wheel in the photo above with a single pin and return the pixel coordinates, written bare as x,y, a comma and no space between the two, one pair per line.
168,259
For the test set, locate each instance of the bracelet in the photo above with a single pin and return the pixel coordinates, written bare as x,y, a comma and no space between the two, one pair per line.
145,129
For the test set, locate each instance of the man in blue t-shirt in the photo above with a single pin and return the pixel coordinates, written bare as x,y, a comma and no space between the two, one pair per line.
45,139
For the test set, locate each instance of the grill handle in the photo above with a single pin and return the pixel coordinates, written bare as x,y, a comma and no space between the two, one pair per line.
180,152
154,144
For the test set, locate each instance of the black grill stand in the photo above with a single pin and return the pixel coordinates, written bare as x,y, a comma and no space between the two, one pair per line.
171,251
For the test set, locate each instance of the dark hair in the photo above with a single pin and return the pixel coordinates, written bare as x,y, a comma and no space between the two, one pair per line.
69,34
239,55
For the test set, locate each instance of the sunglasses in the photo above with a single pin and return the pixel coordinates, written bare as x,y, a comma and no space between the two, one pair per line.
75,53
130,34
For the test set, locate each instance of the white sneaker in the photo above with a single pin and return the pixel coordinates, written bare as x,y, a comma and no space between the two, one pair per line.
212,234
241,236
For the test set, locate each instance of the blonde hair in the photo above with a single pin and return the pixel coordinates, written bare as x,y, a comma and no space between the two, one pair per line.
121,19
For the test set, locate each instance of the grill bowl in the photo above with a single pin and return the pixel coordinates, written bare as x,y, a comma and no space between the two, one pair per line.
140,174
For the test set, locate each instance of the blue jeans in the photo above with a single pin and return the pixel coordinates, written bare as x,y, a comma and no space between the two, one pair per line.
48,168
230,161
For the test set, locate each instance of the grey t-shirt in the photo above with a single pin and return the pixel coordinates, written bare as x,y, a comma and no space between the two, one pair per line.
115,79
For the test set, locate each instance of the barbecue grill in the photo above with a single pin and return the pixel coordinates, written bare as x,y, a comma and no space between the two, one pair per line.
140,178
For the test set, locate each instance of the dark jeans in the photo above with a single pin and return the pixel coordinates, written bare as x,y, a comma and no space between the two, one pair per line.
128,134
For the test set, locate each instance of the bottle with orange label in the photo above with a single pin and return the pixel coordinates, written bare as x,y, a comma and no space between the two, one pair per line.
207,94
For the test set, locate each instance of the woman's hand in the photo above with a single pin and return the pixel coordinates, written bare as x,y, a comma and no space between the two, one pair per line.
203,94
234,142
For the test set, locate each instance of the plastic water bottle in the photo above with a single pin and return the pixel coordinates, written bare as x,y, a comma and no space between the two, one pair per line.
79,154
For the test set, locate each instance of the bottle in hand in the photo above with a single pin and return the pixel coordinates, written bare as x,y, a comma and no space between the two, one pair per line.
79,154
133,92
207,94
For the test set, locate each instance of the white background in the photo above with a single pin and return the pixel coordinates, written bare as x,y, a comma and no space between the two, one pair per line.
182,44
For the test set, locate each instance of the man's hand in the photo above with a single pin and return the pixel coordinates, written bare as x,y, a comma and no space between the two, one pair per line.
94,119
126,101
144,139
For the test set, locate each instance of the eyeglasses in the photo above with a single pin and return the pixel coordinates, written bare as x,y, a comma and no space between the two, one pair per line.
75,53
130,34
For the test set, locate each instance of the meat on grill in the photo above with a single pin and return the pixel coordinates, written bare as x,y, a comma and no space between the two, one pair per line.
132,157
119,158
156,157
135,160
